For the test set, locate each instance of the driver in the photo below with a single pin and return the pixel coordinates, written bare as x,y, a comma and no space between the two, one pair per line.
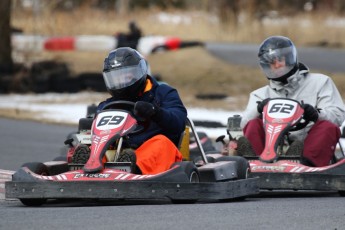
126,76
289,78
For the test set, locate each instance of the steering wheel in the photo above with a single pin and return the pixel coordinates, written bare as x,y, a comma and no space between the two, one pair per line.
302,123
126,105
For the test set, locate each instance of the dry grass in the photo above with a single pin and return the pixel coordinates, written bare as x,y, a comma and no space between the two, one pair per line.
192,71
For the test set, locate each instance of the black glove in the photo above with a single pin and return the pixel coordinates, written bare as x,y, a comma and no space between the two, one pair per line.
262,104
310,113
144,109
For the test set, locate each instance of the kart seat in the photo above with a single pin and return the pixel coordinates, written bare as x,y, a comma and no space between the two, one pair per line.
85,123
183,144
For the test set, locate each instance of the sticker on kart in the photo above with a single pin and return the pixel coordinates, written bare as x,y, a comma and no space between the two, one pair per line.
281,109
110,120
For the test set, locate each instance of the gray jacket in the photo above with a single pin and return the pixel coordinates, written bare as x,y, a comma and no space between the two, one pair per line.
315,89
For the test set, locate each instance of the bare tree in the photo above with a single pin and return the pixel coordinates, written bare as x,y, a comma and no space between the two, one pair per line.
6,62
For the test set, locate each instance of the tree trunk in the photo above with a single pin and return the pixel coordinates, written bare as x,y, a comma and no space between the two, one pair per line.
6,62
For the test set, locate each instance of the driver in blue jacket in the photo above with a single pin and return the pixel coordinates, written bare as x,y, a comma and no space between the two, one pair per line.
126,76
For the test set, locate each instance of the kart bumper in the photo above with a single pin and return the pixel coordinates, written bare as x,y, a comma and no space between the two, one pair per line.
300,181
131,190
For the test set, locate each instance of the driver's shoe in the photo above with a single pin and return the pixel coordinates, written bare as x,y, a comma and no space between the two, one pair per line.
244,147
295,149
128,155
81,154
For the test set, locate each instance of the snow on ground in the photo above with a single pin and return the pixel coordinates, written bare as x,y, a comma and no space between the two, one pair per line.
69,108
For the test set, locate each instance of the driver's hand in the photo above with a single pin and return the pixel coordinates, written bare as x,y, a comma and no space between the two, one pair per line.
310,113
261,104
144,109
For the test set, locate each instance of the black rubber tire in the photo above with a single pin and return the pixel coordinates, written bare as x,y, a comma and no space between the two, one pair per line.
211,96
81,154
92,81
341,193
190,169
40,169
33,202
193,175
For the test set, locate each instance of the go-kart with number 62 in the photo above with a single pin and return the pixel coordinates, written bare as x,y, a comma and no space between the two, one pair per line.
280,165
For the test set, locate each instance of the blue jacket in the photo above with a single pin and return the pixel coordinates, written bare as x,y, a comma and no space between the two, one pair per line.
170,119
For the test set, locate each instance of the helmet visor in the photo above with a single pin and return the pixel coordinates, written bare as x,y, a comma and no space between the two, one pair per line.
278,62
123,77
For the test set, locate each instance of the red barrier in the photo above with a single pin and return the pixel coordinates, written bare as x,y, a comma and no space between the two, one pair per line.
173,43
63,43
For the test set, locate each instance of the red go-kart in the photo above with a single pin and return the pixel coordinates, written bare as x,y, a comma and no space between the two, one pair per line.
103,177
280,171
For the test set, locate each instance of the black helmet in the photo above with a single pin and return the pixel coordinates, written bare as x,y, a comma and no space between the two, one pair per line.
125,71
278,48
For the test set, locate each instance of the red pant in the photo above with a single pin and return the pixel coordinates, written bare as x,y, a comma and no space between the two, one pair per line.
319,145
157,155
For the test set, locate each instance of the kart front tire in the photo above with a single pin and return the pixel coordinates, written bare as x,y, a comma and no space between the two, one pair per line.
190,170
33,202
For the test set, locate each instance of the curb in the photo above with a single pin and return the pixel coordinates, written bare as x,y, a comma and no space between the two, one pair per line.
5,175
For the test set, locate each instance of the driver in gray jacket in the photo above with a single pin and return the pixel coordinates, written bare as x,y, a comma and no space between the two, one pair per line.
288,78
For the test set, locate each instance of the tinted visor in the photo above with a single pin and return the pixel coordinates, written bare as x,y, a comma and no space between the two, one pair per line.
269,57
122,77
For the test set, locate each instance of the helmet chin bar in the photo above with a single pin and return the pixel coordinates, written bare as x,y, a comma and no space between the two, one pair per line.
284,78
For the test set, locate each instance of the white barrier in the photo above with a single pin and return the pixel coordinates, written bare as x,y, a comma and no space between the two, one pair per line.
37,43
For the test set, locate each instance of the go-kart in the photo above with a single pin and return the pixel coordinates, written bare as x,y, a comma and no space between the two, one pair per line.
278,170
103,177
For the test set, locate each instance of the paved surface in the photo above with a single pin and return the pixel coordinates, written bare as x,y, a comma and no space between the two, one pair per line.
317,59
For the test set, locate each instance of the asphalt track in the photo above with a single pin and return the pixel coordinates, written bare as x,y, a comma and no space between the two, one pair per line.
317,59
23,141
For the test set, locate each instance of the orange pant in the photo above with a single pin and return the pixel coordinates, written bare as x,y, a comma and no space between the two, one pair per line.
157,155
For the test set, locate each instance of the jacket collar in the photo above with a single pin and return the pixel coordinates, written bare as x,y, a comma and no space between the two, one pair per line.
293,82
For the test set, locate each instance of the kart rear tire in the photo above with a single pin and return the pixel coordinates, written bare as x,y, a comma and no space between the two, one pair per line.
341,193
193,175
190,169
40,169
